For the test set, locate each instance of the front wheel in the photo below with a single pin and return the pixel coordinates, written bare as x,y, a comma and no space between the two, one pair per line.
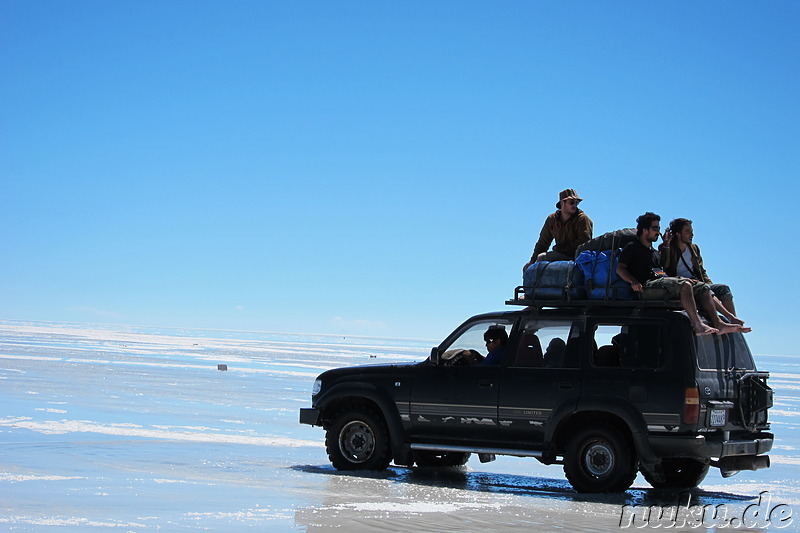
599,459
357,439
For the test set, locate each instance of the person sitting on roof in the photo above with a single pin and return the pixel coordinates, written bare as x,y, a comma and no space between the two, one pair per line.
569,226
681,257
639,265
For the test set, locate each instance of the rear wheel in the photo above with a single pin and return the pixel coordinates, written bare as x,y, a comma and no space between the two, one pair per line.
599,459
678,473
357,439
440,459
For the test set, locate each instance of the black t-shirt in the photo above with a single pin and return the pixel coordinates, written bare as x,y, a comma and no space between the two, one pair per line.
640,261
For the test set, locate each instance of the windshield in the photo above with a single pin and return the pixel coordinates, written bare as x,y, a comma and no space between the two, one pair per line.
723,352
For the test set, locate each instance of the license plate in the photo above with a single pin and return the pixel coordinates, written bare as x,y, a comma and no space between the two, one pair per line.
718,417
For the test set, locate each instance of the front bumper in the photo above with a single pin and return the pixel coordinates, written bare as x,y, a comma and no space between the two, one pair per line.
310,416
700,446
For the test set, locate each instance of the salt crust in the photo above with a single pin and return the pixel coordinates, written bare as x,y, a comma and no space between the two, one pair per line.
57,427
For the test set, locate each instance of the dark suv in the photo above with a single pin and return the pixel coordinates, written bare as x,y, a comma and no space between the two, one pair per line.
602,389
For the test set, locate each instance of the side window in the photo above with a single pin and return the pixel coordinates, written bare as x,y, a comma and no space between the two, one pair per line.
470,346
631,345
548,344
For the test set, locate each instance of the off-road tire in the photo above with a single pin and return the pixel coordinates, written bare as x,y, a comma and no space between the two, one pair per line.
440,459
357,439
599,459
678,473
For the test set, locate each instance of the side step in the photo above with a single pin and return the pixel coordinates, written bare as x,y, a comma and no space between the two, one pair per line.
474,449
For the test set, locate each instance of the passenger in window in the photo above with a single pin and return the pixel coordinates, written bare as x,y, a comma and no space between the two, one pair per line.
496,339
530,351
640,265
569,226
681,257
554,355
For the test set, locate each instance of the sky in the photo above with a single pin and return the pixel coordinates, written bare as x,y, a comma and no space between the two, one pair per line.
381,168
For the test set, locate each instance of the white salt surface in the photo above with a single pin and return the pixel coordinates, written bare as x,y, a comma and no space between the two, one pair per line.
134,429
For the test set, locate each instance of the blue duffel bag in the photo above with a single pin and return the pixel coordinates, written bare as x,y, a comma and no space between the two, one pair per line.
600,271
556,280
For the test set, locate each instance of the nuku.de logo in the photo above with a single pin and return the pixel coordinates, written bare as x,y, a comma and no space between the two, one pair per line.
757,515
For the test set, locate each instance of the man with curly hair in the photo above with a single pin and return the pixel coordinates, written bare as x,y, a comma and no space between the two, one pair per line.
640,265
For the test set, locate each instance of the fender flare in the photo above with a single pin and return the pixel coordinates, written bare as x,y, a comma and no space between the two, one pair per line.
617,408
385,404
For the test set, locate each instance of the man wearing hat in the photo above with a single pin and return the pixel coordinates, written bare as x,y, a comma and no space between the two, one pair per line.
569,226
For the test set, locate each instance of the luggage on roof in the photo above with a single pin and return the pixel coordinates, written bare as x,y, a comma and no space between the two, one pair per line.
555,280
607,241
589,280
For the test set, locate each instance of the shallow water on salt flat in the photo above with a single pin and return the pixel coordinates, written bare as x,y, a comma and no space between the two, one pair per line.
135,429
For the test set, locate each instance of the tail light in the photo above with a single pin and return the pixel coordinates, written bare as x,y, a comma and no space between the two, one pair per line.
691,406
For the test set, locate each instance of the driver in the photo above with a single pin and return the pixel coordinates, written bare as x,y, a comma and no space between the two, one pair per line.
496,339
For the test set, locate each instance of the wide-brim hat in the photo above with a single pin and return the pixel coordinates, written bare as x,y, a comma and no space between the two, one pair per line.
567,194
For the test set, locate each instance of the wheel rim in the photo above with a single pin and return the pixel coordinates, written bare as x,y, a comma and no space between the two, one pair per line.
598,459
357,441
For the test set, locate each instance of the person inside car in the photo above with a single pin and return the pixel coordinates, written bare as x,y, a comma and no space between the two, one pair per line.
496,339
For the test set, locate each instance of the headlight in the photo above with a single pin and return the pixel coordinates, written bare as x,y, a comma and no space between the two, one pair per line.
317,387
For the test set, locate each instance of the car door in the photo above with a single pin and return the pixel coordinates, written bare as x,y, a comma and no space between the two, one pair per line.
630,369
543,381
455,401
458,401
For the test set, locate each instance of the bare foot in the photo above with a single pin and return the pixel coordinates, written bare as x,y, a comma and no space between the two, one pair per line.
736,320
702,329
729,328
743,329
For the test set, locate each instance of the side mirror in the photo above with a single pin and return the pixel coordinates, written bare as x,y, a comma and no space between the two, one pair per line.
435,356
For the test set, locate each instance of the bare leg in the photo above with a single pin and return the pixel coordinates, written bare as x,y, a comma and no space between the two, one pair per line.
724,311
687,299
707,303
727,302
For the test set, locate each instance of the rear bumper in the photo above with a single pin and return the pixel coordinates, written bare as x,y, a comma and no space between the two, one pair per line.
310,416
701,447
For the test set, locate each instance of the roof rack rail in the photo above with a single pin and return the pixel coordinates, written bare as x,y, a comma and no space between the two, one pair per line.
566,301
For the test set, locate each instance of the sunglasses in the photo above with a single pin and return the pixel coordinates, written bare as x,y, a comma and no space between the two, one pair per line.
655,228
572,202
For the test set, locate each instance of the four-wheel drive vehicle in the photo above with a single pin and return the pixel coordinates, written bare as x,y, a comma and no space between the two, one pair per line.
602,390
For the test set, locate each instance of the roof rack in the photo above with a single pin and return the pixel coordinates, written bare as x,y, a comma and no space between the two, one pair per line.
566,301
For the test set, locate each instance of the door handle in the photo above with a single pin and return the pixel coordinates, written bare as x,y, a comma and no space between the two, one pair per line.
483,384
566,385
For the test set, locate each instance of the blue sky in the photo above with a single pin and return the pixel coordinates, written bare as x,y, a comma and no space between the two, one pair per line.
381,168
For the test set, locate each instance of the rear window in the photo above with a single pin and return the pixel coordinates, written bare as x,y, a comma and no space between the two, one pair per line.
723,352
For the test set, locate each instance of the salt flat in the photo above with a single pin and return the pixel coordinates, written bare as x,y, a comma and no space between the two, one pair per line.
134,429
